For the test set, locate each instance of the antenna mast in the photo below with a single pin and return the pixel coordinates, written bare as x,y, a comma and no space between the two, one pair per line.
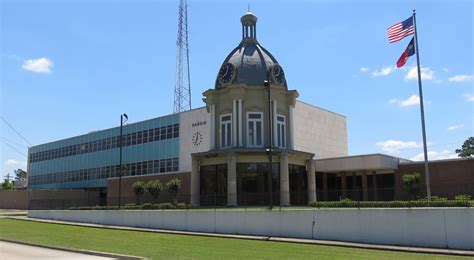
182,86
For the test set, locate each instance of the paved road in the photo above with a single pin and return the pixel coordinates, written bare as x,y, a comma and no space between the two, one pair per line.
13,251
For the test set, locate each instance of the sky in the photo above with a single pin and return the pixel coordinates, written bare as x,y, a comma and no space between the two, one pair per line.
71,67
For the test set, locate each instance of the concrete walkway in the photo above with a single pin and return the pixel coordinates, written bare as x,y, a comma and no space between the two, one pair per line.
9,250
266,238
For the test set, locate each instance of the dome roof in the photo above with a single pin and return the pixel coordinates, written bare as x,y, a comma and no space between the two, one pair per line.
250,61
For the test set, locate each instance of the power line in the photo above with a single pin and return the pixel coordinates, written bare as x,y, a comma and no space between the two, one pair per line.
15,130
10,141
13,147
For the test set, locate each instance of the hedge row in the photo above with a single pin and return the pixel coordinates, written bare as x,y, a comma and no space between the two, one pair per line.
389,204
134,206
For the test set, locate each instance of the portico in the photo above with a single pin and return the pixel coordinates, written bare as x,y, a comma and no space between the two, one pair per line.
240,177
363,177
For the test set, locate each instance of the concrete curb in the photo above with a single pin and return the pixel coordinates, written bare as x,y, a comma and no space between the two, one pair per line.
423,250
80,251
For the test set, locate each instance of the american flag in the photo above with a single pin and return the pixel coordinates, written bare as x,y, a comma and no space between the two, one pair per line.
400,30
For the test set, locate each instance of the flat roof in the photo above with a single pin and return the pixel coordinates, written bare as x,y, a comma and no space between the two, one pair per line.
357,163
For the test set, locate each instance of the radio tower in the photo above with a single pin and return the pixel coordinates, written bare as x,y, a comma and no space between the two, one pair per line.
182,86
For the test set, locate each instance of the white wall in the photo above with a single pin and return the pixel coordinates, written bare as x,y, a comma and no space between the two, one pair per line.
425,227
319,131
192,123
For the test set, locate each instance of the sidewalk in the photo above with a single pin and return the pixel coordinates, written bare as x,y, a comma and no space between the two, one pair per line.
265,238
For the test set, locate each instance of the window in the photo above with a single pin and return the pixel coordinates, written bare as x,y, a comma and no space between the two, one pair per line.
226,130
162,165
175,130
163,133
169,165
281,137
140,137
156,166
175,164
254,130
169,132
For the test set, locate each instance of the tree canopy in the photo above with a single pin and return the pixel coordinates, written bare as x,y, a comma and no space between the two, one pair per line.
467,148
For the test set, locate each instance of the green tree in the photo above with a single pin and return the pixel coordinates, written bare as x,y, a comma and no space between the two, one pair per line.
172,186
467,148
7,185
138,188
154,187
20,175
411,182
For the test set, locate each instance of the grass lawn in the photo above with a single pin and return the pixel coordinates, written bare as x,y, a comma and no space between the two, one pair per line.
156,245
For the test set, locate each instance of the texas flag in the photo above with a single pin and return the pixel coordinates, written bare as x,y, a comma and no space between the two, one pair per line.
409,51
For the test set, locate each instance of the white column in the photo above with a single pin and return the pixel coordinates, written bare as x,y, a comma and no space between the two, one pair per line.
213,127
195,183
234,122
274,120
241,125
291,128
311,180
231,180
284,180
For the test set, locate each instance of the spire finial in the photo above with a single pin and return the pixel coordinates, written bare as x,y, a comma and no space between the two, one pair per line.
248,7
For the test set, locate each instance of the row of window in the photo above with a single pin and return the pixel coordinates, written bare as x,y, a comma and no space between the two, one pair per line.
140,137
254,130
130,169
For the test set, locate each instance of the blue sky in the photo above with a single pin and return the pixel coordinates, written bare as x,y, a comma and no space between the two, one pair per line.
70,67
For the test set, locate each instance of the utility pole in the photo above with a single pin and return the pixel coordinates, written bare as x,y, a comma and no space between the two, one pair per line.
122,116
267,84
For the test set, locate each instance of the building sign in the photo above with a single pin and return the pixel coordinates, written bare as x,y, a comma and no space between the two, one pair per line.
199,123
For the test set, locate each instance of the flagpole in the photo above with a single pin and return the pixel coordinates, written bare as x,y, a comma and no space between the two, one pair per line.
427,172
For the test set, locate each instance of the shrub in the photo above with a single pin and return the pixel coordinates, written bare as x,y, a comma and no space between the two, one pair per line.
463,197
389,204
154,187
147,206
411,182
138,188
181,205
93,208
132,206
172,187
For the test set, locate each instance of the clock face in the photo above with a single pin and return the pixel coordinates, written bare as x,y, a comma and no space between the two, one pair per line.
278,75
227,73
197,139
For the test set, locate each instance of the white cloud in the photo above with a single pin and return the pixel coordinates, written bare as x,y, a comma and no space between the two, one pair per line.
469,97
426,74
11,162
435,155
411,101
383,72
395,145
41,65
364,69
460,78
454,127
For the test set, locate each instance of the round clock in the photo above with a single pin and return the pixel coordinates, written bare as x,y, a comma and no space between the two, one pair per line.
226,73
278,75
197,138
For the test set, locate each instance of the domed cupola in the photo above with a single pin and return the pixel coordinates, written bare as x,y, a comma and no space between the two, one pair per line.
249,63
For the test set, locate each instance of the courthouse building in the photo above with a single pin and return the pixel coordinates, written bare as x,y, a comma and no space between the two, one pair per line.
220,151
